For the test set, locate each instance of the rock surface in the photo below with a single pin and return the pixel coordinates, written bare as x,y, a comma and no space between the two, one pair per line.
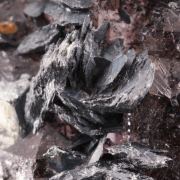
74,93
38,40
122,164
84,91
139,157
64,16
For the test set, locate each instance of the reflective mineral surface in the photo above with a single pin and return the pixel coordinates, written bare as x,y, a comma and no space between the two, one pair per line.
89,90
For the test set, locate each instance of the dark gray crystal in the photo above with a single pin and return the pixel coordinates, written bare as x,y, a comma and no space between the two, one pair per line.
38,40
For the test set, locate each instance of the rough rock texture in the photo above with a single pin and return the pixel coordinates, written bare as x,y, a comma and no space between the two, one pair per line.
56,160
69,78
139,157
79,108
94,172
123,161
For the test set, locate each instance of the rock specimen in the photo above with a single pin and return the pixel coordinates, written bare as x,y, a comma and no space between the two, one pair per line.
84,86
84,98
77,83
124,162
38,40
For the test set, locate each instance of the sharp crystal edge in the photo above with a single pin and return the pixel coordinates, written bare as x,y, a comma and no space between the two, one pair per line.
65,84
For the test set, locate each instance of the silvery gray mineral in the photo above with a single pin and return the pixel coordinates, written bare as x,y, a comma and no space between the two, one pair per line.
68,86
